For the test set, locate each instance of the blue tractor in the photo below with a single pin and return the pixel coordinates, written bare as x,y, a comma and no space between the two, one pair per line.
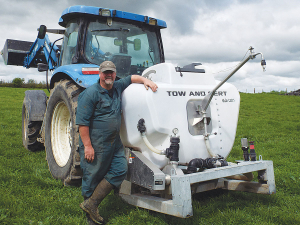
91,36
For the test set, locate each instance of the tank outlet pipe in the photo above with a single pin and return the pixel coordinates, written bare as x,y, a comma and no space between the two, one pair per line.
142,129
172,152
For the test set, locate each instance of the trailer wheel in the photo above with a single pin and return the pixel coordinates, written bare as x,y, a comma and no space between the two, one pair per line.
61,133
30,132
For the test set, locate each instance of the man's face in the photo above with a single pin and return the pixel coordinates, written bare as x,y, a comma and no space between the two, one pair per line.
108,77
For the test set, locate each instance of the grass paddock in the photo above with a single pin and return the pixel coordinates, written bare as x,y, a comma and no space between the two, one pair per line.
29,195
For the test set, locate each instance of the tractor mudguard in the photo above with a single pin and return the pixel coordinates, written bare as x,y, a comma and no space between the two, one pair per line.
35,103
74,72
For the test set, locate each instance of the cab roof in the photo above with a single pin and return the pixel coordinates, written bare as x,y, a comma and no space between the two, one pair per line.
70,12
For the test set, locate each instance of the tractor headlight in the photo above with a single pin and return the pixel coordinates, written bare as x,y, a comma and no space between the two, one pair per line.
152,21
104,12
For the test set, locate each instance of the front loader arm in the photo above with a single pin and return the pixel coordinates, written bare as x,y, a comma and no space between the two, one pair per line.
50,52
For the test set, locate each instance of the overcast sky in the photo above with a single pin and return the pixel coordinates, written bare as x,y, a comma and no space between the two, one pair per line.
216,33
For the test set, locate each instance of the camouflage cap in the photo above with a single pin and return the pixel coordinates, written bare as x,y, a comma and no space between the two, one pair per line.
107,65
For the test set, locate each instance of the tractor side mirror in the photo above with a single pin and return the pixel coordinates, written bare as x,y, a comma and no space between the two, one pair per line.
118,42
137,44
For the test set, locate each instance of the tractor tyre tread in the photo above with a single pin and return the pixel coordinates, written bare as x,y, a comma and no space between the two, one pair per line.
30,132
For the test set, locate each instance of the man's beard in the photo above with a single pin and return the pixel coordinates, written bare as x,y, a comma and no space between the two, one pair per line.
109,81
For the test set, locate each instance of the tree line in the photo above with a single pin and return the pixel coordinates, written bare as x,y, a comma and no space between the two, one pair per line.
20,83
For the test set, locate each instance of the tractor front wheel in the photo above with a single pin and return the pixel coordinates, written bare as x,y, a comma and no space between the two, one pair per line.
61,133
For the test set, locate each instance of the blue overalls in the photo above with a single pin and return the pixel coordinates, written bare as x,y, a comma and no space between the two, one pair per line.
102,114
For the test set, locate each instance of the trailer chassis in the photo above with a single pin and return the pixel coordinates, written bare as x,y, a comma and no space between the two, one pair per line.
183,186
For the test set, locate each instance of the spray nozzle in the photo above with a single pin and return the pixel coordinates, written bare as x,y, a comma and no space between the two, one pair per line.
263,64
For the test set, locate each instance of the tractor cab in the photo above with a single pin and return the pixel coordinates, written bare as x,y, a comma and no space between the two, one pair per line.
131,42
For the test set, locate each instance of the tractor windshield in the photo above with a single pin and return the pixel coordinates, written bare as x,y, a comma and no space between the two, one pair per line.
131,48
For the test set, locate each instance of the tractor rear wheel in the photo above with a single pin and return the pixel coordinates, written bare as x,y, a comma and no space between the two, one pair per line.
61,133
30,132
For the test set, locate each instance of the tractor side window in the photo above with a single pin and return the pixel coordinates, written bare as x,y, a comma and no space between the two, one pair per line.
130,47
70,43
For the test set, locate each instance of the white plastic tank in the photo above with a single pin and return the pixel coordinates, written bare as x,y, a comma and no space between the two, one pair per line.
175,105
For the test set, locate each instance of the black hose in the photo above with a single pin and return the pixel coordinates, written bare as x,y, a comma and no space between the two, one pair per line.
207,163
48,63
194,164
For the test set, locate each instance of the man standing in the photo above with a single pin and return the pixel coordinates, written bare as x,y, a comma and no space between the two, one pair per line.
102,156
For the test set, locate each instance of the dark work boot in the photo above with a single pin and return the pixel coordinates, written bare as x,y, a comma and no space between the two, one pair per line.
91,204
88,218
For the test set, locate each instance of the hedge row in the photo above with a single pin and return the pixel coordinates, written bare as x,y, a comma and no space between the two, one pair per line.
20,83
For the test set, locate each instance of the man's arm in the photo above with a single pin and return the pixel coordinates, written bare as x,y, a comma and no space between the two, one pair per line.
89,152
142,80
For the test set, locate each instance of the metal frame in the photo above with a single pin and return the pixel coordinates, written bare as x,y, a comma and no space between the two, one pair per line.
181,203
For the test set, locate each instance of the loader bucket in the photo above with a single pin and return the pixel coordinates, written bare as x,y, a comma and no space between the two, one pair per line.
14,52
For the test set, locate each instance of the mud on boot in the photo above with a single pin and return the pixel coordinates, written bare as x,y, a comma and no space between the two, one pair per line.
88,218
92,211
91,204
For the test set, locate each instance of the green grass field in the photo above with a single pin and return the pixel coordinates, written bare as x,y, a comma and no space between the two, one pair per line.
29,195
